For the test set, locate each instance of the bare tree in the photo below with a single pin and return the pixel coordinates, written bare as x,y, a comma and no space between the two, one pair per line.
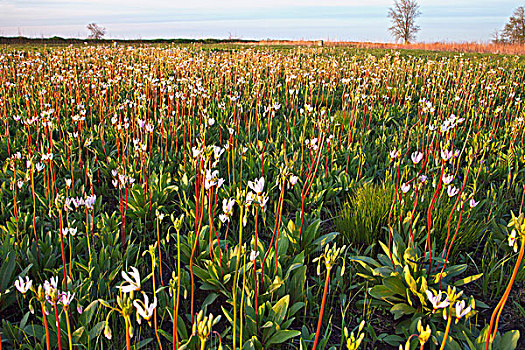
514,31
96,31
403,16
496,37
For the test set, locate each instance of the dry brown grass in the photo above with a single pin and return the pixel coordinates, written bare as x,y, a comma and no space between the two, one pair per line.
510,49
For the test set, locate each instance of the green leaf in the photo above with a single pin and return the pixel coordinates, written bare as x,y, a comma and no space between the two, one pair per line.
208,301
77,334
36,331
389,254
24,320
280,309
283,245
381,292
393,340
202,273
104,303
510,340
410,256
276,284
295,307
365,260
311,231
481,305
383,271
455,270
395,284
248,345
97,330
181,328
470,344
165,334
281,336
322,241
88,313
291,268
466,280
401,309
6,271
267,324
410,280
142,343
451,343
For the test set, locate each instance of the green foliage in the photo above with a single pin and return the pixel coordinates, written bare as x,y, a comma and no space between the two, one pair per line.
132,177
469,233
363,217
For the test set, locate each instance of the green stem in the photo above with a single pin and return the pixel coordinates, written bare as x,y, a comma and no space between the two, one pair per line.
89,243
160,253
66,309
175,331
154,295
236,280
242,298
61,227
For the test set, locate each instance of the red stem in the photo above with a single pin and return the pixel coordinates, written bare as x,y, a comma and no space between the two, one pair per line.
320,320
58,327
45,325
62,247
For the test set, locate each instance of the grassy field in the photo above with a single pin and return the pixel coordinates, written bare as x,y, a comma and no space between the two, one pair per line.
260,197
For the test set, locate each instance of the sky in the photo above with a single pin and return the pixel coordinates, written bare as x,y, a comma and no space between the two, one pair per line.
340,20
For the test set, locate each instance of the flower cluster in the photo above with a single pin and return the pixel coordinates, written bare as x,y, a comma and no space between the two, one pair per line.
227,208
121,180
49,290
352,341
330,256
145,309
450,123
518,230
451,300
212,179
257,197
312,144
203,325
88,202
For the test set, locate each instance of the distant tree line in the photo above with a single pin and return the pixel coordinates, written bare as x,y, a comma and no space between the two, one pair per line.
56,40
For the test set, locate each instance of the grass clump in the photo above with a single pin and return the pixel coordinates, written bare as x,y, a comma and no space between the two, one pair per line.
362,218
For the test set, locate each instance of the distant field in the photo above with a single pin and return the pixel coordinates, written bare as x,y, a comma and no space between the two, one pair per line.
509,49
465,47
234,195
